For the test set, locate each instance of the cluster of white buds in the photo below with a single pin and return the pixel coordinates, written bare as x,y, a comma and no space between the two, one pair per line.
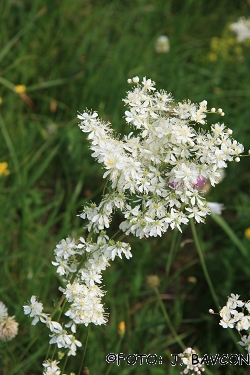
220,111
187,357
236,314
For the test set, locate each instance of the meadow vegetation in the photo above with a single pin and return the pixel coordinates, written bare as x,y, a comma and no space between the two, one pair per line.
59,58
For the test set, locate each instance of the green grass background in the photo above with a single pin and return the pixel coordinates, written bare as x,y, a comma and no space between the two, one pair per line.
79,54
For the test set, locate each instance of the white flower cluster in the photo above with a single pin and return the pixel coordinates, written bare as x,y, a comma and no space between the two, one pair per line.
236,314
84,294
241,28
156,174
81,264
51,368
186,358
59,335
157,171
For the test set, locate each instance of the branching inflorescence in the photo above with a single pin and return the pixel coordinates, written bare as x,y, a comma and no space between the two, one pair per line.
156,174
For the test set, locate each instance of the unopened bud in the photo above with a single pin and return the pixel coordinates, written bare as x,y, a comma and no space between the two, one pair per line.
136,79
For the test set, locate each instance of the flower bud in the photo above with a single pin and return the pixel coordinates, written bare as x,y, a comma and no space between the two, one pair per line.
136,79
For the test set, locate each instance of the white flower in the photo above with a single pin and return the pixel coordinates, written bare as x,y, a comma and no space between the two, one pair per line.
88,116
227,323
60,336
113,249
65,248
241,28
90,277
51,368
247,305
216,208
243,323
148,84
8,328
187,360
197,214
34,310
245,341
234,301
73,346
225,312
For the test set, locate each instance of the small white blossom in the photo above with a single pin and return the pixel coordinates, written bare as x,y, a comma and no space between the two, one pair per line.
187,360
51,368
245,341
216,208
241,28
234,301
34,310
65,248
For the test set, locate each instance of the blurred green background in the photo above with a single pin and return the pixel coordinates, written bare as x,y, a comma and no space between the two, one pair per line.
61,57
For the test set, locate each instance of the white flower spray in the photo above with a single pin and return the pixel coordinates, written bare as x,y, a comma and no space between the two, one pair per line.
156,174
236,314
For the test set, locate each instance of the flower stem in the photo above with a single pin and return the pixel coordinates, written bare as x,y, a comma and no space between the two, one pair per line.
83,356
171,251
203,264
168,321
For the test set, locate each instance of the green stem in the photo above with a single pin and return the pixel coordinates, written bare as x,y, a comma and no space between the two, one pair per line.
12,370
85,348
168,321
64,365
116,351
171,251
203,264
